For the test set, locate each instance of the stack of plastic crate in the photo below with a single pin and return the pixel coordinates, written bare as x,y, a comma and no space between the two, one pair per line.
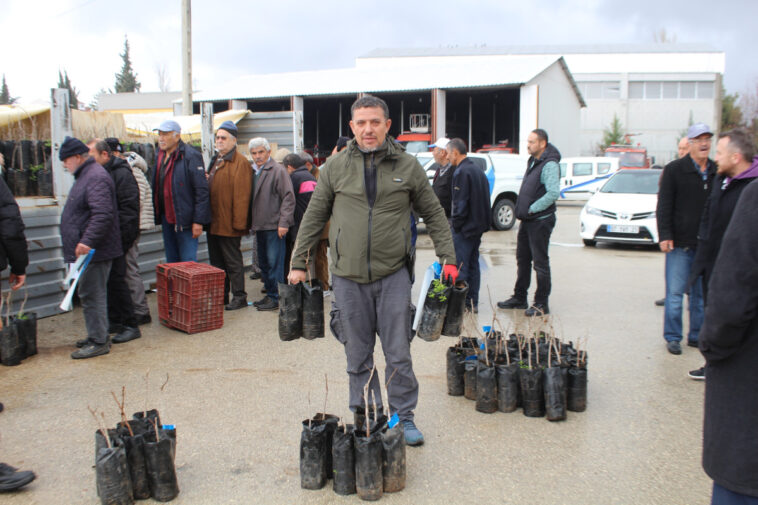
190,296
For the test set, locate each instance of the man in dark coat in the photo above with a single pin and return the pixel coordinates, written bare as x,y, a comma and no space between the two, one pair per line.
88,221
121,318
13,251
729,342
535,208
180,194
737,168
685,184
470,211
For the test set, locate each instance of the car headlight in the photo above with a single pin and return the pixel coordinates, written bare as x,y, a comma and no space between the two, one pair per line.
592,210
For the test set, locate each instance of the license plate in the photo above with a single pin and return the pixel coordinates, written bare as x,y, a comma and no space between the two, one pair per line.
623,228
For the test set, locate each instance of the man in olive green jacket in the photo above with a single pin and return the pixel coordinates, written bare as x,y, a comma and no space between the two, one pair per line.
367,191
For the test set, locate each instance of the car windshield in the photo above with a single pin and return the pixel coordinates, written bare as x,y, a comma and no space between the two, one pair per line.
634,182
416,146
628,159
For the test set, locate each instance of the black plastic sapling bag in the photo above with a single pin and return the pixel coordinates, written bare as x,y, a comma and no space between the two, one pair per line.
433,311
290,311
313,310
455,309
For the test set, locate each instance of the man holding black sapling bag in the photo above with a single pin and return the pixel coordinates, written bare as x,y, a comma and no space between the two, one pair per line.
367,191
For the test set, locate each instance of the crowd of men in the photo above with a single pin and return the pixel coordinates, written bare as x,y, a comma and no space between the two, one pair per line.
356,205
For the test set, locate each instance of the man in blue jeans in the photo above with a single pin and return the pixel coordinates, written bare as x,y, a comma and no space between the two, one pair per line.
685,184
273,214
180,194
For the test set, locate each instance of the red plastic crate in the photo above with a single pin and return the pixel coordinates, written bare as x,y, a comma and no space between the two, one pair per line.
190,296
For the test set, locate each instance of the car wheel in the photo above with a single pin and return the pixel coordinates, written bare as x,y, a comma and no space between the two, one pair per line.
589,243
503,214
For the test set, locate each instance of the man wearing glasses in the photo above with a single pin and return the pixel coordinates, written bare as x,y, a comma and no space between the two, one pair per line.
685,185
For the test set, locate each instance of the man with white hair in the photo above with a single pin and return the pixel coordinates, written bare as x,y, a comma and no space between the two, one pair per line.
180,194
273,214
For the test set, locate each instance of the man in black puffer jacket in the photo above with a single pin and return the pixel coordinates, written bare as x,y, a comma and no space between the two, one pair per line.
122,320
535,208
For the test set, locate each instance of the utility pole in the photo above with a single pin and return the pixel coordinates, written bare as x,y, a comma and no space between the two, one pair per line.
186,57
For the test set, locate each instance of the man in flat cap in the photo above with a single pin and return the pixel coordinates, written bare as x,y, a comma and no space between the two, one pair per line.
180,194
685,184
89,221
230,181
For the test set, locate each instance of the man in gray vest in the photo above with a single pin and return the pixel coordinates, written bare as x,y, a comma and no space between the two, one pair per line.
535,207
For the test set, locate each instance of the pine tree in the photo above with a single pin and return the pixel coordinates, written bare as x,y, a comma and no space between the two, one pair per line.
614,134
126,80
5,94
73,94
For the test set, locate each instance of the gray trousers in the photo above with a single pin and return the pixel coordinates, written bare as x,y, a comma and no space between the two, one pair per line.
93,293
134,281
359,313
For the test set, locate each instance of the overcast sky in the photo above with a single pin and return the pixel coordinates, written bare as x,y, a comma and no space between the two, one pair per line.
237,37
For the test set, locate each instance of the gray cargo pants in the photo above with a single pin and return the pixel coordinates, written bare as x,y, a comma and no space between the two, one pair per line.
359,313
93,293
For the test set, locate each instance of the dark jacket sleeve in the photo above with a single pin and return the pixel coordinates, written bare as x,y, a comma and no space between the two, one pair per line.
732,305
127,198
664,211
461,197
12,238
315,218
100,200
201,211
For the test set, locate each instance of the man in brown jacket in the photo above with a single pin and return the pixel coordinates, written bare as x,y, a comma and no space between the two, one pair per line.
273,214
230,183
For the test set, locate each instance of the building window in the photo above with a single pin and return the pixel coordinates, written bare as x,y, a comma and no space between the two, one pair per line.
671,90
596,90
705,89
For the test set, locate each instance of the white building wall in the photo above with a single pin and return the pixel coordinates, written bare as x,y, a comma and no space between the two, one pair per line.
558,110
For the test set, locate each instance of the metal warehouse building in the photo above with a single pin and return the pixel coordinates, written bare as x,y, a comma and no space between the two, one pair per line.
481,102
489,94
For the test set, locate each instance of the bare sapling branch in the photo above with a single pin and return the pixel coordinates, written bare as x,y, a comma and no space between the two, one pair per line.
100,427
164,384
147,391
373,404
155,426
326,395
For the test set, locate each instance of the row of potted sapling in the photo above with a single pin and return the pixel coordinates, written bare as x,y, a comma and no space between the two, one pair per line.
135,460
536,371
18,334
367,458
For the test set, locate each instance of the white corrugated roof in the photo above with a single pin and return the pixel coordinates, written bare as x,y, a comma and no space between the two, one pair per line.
512,70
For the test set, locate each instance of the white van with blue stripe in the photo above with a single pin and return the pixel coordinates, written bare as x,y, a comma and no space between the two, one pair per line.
581,177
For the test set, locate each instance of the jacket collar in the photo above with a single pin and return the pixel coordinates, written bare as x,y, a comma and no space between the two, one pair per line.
83,167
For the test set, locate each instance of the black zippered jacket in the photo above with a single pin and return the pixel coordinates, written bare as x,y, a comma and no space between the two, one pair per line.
681,199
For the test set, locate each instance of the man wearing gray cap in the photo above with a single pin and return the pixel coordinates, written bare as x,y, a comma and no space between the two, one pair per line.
685,184
180,194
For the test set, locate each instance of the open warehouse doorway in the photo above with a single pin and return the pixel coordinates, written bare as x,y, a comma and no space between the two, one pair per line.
483,116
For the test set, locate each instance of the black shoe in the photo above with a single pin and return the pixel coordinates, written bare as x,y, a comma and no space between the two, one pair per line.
660,303
144,319
270,304
128,333
692,343
81,343
537,309
11,479
115,328
255,275
263,290
674,347
91,350
1,407
698,375
263,300
513,303
237,303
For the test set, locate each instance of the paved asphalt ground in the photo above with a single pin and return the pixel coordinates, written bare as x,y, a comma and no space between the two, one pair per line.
237,396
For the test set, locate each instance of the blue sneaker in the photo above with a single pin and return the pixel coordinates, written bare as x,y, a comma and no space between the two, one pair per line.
412,434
